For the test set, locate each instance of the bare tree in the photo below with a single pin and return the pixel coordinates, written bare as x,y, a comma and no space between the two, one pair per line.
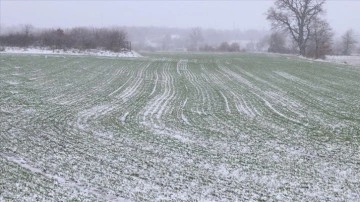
82,38
116,39
224,47
295,16
207,48
320,42
263,44
28,35
59,38
348,42
23,38
111,39
277,43
195,38
28,29
234,47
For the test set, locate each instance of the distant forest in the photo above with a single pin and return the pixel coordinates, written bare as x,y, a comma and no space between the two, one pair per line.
172,39
142,38
78,38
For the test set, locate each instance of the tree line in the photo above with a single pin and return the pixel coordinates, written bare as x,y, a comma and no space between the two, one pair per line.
112,39
311,35
196,38
223,47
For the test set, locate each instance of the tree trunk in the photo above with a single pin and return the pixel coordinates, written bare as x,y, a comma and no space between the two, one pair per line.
302,50
301,42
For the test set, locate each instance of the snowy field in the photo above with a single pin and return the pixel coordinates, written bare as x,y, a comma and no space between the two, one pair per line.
350,60
73,52
178,127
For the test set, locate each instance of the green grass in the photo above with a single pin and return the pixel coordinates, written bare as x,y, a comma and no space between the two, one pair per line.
178,126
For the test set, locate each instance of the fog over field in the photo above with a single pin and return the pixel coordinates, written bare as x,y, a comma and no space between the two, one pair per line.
179,100
183,14
188,127
148,23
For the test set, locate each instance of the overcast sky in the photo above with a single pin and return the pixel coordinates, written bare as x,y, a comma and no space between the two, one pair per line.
341,14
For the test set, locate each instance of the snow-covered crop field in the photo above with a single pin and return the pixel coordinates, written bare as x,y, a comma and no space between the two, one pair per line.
350,60
182,127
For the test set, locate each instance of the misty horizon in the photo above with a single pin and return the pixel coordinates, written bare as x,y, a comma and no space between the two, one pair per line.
172,100
228,15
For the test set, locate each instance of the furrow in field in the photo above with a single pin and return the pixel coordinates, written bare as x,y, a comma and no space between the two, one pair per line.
245,101
126,80
87,116
185,127
217,120
183,79
283,108
222,88
319,106
157,108
156,81
181,66
199,94
127,93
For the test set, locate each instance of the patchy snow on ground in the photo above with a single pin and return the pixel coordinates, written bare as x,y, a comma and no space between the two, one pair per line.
343,59
353,60
178,127
90,52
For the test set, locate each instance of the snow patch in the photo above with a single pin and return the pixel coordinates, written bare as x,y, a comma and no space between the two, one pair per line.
73,52
13,82
63,181
350,60
123,118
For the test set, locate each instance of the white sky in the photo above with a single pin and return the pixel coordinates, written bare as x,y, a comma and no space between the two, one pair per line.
244,14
